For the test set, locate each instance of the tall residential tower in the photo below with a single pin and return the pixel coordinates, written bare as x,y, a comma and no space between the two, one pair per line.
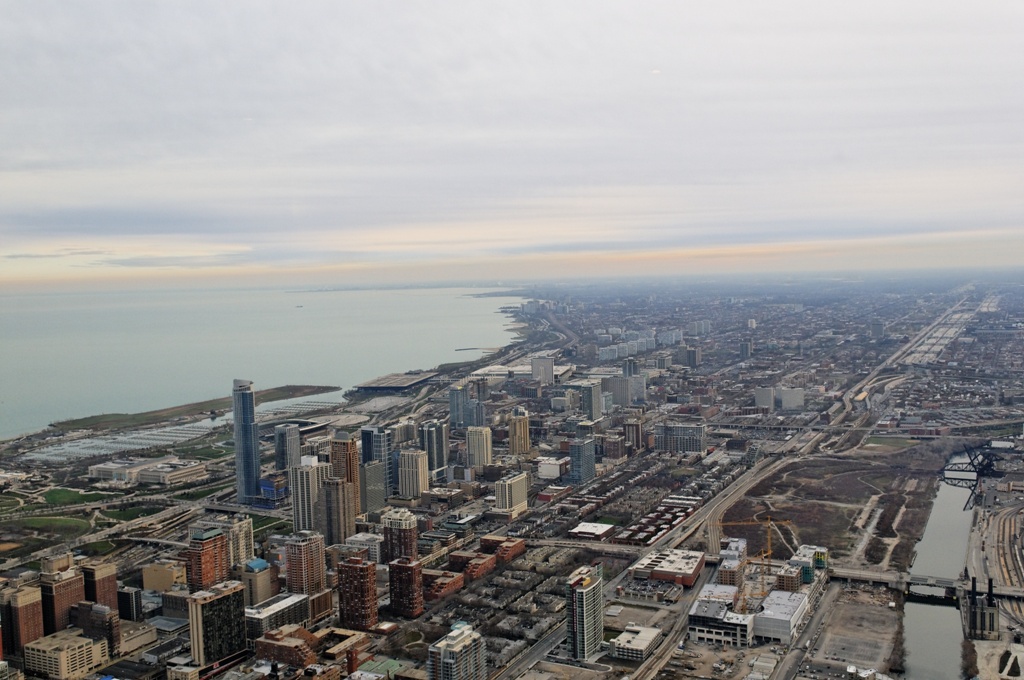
247,443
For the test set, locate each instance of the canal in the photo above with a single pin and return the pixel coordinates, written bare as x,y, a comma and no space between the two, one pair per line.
933,633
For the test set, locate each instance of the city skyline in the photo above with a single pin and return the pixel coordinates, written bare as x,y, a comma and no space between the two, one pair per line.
341,145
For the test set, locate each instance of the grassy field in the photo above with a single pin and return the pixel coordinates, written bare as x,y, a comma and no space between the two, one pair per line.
68,527
132,513
891,442
71,496
110,421
97,548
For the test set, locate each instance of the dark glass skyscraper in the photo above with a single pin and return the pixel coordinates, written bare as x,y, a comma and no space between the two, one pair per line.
247,444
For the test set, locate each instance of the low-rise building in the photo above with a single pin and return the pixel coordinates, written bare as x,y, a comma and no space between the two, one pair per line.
635,643
681,567
65,655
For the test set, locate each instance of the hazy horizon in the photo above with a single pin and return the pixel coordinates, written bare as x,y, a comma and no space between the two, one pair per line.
328,144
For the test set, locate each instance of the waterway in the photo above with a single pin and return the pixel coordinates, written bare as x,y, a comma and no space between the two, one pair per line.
933,633
79,354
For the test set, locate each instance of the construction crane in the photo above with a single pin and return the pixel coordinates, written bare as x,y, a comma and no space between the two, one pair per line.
766,554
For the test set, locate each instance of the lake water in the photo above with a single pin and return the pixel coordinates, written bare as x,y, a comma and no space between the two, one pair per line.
72,355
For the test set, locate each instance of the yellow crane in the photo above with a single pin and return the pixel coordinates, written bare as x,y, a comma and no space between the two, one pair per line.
766,554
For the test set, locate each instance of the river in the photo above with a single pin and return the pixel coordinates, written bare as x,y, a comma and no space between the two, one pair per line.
933,633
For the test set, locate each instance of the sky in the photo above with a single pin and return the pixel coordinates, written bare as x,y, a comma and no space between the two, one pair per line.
327,143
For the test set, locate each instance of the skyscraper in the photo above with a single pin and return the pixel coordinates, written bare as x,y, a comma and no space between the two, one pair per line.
305,482
478,447
306,569
247,443
238,531
336,510
434,440
582,466
511,493
405,576
21,617
519,432
376,446
287,446
373,486
206,558
357,594
459,655
62,587
413,477
400,534
101,584
457,396
345,460
584,609
216,621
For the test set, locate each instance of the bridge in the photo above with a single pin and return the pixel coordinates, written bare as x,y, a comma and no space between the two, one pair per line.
901,581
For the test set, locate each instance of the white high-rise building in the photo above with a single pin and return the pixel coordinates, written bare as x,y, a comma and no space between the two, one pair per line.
478,447
413,475
584,610
459,655
304,483
511,493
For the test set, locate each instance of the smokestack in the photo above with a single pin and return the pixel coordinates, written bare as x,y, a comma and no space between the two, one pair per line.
991,594
974,590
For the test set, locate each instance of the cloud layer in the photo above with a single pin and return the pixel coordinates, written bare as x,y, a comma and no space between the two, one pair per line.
450,140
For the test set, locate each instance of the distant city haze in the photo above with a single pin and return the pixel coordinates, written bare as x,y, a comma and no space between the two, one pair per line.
318,143
78,355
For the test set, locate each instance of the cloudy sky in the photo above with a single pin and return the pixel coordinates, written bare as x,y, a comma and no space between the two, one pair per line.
357,142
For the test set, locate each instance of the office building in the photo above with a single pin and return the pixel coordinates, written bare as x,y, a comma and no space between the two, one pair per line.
129,603
258,579
458,395
633,432
693,359
371,543
101,584
345,461
206,558
511,493
746,349
287,446
584,608
286,609
373,486
542,369
764,397
306,569
519,432
582,462
590,398
237,530
100,622
400,534
216,620
357,594
21,617
337,510
459,655
305,482
688,437
62,587
66,655
791,398
413,475
247,443
479,450
434,440
405,576
376,443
